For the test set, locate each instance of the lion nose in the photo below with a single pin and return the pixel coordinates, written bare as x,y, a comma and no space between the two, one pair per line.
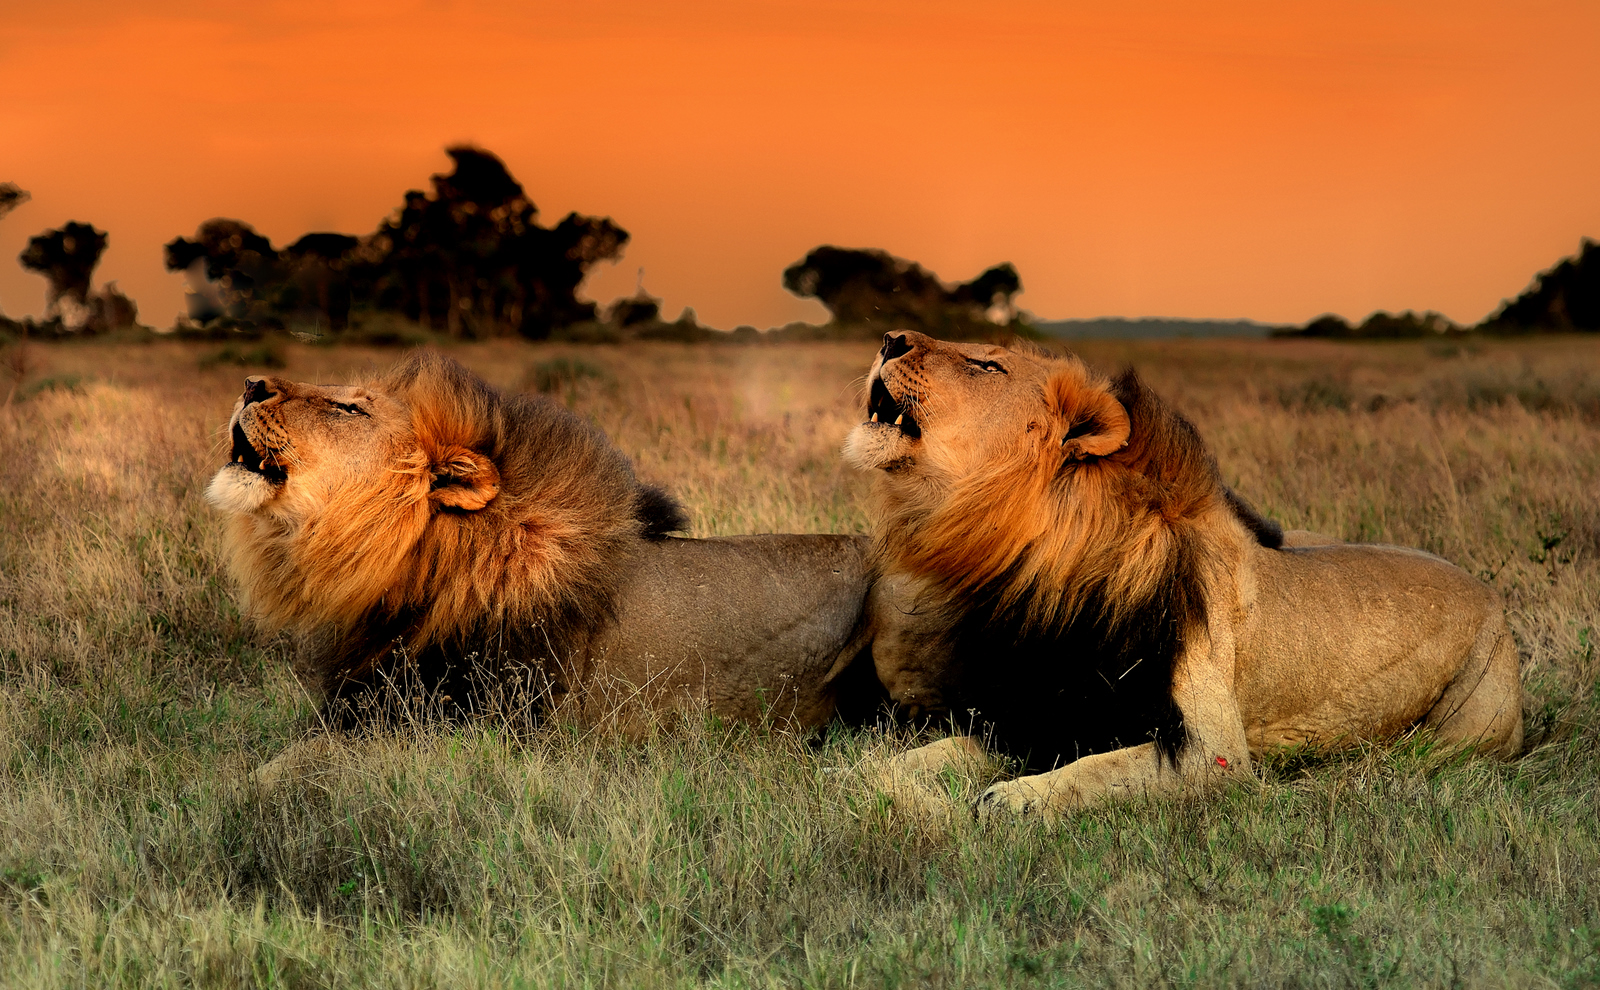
894,345
256,390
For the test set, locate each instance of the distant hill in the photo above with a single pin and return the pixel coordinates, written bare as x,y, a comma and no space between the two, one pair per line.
1118,328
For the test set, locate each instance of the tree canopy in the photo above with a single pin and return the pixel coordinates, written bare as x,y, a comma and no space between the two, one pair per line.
469,258
875,288
66,257
1563,297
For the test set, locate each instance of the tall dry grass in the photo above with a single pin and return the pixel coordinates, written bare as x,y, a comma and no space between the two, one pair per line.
134,697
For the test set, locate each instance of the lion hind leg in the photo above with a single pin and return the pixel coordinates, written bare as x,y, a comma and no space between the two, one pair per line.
1481,709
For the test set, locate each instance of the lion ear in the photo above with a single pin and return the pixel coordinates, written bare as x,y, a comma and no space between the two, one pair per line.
463,479
1093,423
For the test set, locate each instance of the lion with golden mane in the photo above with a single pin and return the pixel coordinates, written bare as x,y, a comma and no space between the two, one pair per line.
1064,570
427,536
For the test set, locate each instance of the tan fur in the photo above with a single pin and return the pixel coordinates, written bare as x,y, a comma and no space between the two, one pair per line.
1026,484
489,533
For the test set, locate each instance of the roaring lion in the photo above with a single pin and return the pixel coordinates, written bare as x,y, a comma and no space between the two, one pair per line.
430,538
1065,571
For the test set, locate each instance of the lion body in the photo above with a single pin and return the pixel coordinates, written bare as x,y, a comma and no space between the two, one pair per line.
1065,571
432,540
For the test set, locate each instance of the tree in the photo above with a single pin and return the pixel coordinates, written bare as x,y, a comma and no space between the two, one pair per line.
875,288
66,257
231,270
474,261
470,259
316,281
1564,297
11,197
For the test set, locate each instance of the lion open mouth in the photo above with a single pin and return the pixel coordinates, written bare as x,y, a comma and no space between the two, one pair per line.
884,410
246,456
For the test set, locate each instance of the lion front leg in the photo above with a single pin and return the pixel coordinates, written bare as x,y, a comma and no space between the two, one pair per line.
1120,773
1214,747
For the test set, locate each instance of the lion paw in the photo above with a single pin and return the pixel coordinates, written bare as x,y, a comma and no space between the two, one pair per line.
1016,797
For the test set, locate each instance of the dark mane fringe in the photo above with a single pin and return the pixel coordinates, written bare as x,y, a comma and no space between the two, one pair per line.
1098,682
1175,455
1266,531
373,678
659,513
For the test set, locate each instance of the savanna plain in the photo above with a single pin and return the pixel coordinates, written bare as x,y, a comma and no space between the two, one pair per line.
135,697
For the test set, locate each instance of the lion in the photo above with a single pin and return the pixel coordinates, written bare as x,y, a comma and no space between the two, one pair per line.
1065,573
426,536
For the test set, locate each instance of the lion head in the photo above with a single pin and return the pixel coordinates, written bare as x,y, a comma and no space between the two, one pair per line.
1023,475
424,504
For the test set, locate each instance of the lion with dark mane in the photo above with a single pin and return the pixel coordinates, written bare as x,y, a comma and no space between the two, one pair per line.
426,535
1065,571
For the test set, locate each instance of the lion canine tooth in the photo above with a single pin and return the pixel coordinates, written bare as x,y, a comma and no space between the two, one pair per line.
874,417
900,419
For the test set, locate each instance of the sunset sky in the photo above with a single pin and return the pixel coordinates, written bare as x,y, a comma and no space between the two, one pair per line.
1270,160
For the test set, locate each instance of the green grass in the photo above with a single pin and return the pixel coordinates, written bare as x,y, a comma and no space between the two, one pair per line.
135,698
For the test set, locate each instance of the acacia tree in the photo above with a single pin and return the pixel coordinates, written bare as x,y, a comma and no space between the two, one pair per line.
470,258
66,257
11,197
875,288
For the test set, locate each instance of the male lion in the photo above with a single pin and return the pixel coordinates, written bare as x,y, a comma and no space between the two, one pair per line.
430,537
1064,567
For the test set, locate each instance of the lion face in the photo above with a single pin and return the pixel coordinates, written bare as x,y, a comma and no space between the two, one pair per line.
297,446
944,412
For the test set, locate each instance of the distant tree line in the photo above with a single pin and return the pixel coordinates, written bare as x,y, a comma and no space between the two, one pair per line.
1562,299
67,257
469,259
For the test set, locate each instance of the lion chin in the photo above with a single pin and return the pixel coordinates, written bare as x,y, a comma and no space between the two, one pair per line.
237,489
441,548
1065,573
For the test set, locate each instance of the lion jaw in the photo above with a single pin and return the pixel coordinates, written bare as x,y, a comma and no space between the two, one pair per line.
251,478
889,436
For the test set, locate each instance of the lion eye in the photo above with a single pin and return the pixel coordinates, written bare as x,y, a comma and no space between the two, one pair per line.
988,366
350,409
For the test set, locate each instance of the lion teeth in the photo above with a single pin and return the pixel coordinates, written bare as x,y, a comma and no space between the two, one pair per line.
900,419
874,417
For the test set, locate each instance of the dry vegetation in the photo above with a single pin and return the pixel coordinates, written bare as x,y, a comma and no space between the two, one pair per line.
134,697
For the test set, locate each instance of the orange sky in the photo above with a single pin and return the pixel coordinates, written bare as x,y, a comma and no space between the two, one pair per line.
1271,160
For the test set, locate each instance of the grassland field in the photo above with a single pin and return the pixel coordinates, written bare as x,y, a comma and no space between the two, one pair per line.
135,697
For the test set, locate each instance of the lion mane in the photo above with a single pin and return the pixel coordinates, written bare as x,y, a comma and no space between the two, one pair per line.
477,524
1099,553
